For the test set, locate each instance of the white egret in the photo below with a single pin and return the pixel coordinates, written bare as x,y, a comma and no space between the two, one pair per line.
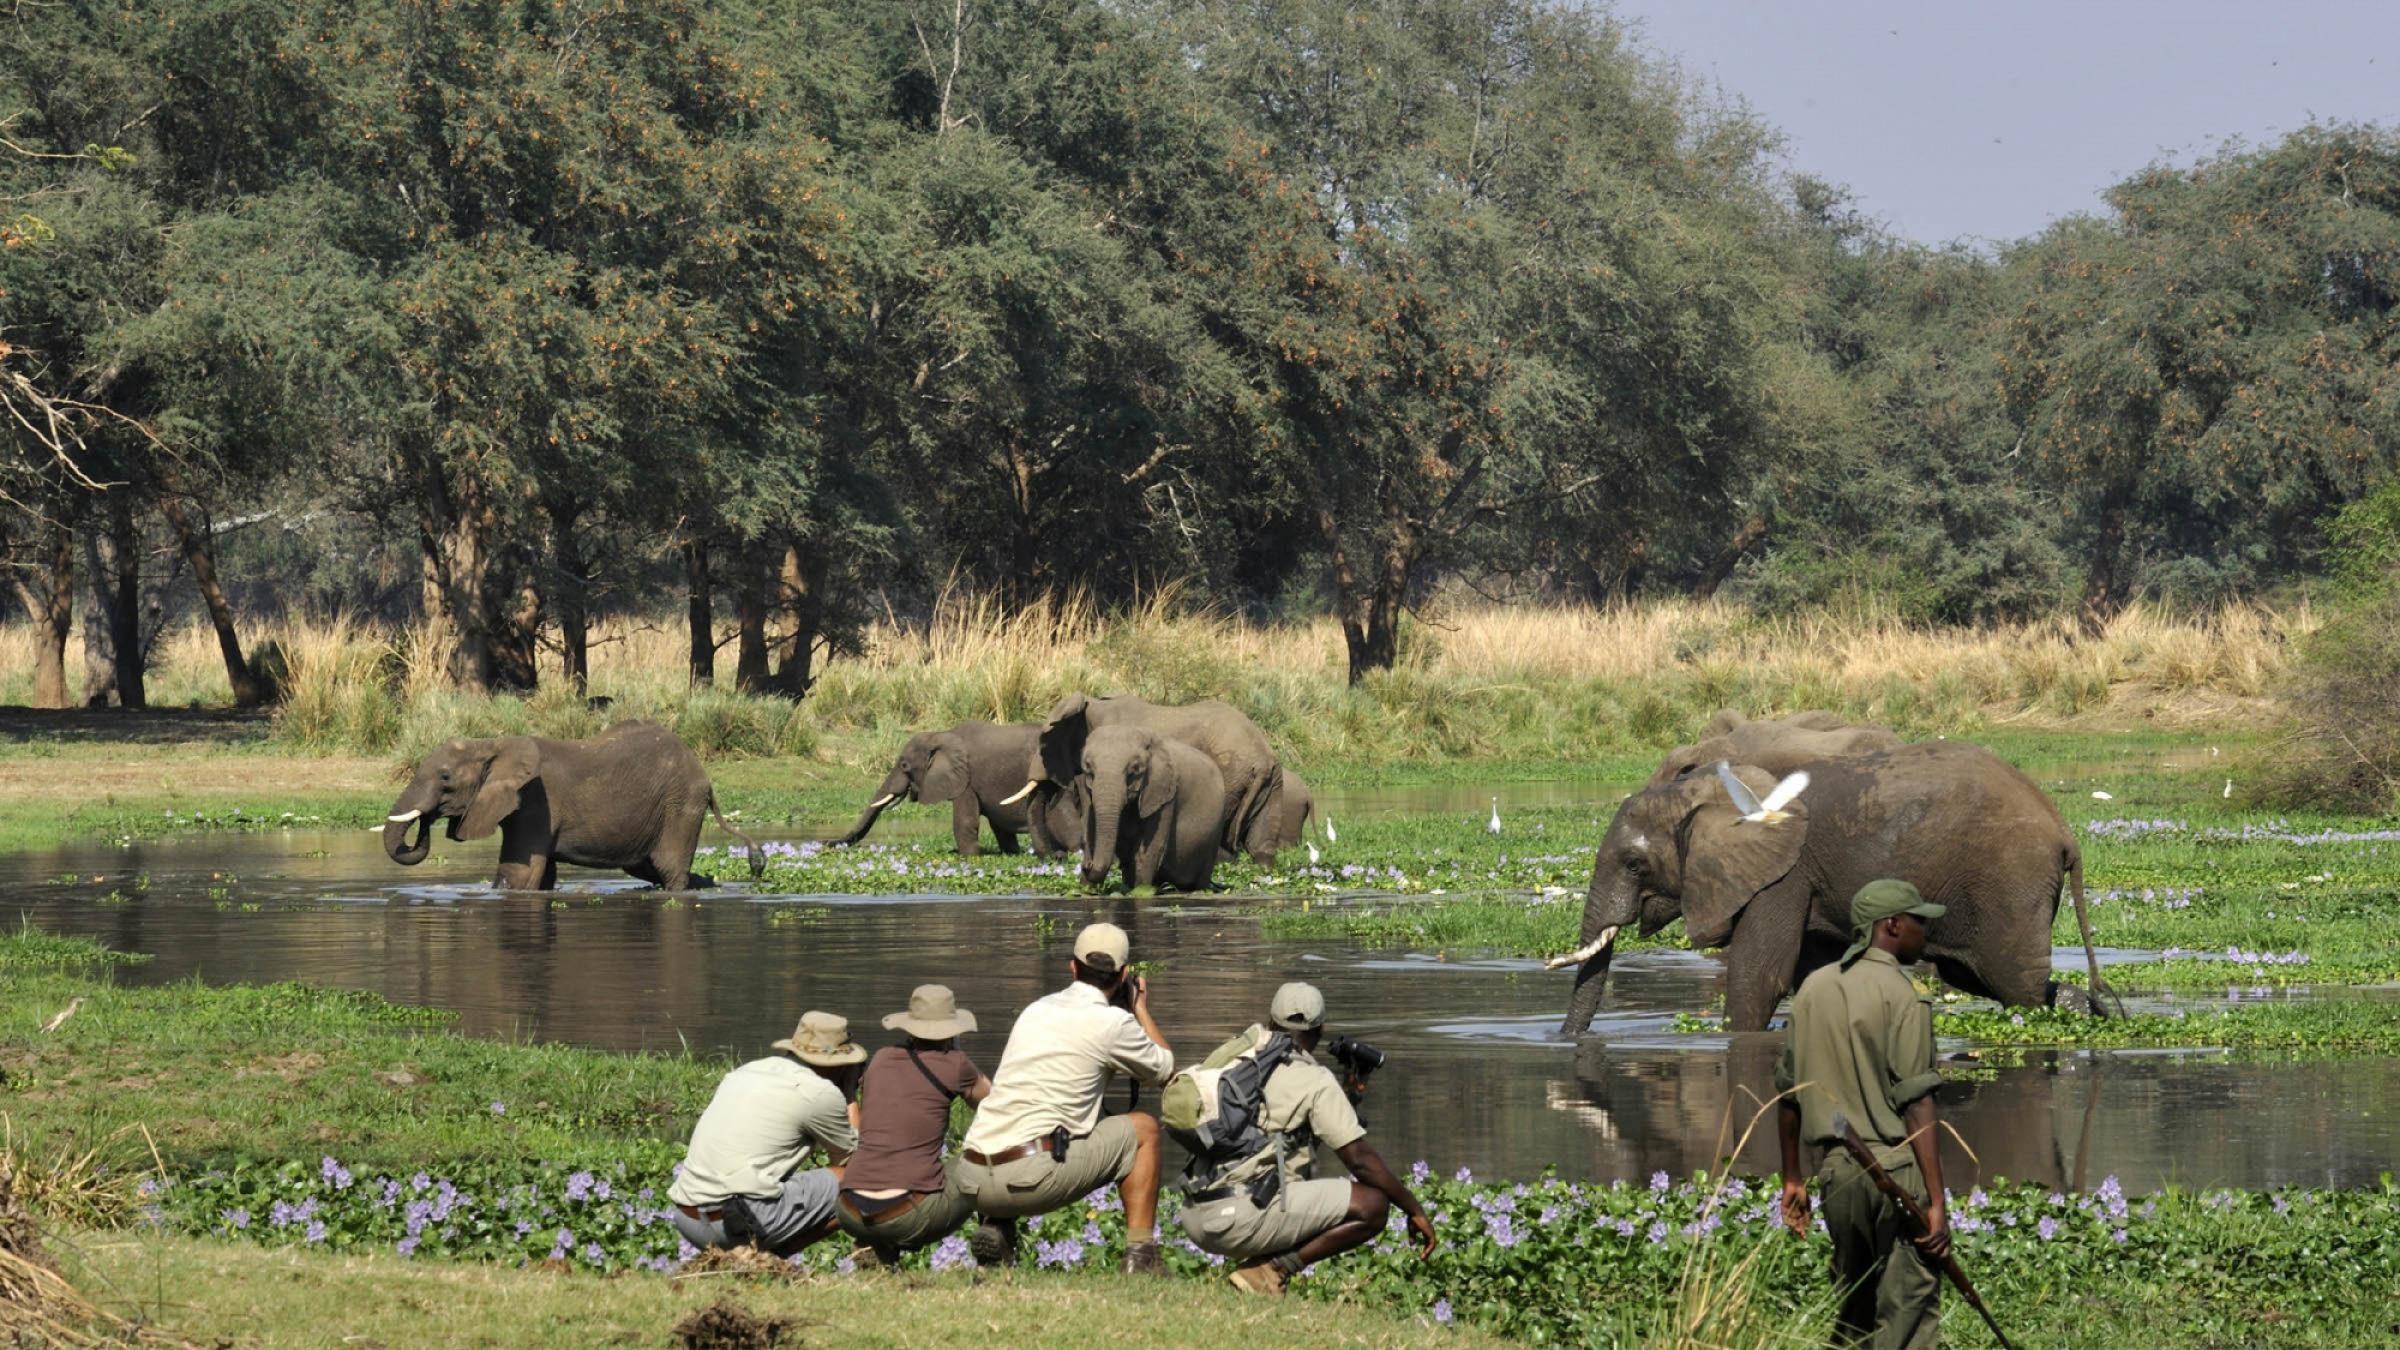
1330,836
1312,851
2103,797
2228,789
1492,826
1754,811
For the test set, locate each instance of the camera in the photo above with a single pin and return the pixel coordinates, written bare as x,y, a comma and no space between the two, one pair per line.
1354,1054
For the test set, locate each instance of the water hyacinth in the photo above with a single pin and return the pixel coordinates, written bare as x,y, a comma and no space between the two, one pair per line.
1575,1237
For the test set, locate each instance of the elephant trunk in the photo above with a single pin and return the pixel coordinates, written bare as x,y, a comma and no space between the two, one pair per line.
396,843
1609,906
895,787
1100,831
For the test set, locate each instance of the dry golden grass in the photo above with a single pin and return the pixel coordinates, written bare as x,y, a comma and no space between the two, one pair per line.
1475,680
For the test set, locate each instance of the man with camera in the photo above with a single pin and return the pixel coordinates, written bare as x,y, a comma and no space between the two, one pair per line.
1265,1210
740,1182
1039,1142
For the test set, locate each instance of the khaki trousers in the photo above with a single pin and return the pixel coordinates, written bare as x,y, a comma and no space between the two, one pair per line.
1891,1296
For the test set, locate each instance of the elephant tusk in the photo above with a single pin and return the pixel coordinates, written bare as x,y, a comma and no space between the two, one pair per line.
1021,793
883,801
404,817
1584,953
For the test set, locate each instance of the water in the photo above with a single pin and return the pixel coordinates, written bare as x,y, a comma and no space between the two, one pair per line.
1476,1079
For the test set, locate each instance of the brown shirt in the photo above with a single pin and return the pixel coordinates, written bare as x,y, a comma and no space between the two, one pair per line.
902,1119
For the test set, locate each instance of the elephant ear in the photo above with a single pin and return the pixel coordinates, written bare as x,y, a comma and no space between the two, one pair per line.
946,770
1160,783
1727,860
1058,752
1725,721
513,765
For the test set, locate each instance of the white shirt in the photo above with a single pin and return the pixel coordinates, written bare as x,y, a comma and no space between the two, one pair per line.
1060,1056
757,1129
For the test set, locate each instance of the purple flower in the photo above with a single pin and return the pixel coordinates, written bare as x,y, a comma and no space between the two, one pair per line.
579,1186
336,1173
499,1108
407,1246
2048,1228
600,1189
593,1254
1419,1173
2117,1237
280,1214
391,1194
1502,1228
953,1253
235,1218
419,1182
1441,1311
524,1226
1463,1174
1658,1233
1658,1181
315,1231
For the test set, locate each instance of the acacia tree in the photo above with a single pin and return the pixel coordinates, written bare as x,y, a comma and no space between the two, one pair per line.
2212,370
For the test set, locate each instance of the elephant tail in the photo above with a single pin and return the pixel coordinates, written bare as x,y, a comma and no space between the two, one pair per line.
2083,920
758,860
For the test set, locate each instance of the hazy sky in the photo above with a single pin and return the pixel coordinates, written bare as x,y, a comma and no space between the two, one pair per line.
1990,120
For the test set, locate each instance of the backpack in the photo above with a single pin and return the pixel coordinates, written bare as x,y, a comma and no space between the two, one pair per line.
1214,1110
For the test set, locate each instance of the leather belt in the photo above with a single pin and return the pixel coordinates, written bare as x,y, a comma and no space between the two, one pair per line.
884,1215
701,1215
1006,1155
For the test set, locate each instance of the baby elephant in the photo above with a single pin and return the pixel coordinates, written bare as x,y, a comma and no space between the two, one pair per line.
631,797
1151,805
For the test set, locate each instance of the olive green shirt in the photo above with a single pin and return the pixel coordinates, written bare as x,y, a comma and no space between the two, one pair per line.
1860,1046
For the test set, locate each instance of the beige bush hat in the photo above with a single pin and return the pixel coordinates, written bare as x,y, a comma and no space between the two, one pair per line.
933,1015
824,1039
1103,947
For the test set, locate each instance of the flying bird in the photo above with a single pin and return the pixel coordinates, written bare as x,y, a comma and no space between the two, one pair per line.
1492,826
1754,811
63,1014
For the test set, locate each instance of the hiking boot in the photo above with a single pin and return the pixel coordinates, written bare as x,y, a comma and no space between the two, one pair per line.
994,1243
1259,1278
1142,1259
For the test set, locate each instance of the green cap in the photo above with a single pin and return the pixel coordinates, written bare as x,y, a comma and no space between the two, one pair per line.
1880,900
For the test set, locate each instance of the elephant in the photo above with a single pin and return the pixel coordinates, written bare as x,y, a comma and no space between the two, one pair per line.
1175,799
1293,807
1954,819
631,797
1777,745
1252,779
974,766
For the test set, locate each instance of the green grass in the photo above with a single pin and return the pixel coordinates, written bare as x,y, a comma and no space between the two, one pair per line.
220,1292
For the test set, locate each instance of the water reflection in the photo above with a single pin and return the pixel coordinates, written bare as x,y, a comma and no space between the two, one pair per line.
1476,1079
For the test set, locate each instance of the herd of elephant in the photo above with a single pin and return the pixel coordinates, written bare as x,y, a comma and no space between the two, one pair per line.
1163,793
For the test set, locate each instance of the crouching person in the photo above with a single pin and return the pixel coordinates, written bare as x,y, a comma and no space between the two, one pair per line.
741,1183
1039,1142
1250,1195
896,1195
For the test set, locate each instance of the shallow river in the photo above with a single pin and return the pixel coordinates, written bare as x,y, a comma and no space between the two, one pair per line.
1476,1078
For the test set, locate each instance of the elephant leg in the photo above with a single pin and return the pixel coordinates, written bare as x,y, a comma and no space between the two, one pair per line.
1005,837
1762,960
536,873
965,817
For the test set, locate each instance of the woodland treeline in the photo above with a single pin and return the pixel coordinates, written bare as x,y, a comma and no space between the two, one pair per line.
500,315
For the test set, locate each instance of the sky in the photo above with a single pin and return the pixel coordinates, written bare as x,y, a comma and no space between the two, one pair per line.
1984,122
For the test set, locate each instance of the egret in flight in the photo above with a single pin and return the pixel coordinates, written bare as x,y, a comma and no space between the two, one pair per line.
1754,811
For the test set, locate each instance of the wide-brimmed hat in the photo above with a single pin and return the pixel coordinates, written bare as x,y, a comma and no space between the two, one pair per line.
824,1039
933,1015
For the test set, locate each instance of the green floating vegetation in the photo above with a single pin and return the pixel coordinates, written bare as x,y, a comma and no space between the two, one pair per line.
29,950
2348,1026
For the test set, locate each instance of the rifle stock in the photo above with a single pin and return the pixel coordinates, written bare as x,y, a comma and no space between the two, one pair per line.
1918,1223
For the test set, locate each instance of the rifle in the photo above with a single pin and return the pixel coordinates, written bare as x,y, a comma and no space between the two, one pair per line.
1915,1214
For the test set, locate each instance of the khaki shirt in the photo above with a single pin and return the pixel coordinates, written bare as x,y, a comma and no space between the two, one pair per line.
1060,1056
757,1129
1860,1045
1303,1099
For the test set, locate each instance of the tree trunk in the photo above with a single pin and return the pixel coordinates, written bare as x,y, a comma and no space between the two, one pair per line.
802,596
574,595
113,659
469,589
49,600
750,614
2104,585
1369,607
198,551
700,612
1720,568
